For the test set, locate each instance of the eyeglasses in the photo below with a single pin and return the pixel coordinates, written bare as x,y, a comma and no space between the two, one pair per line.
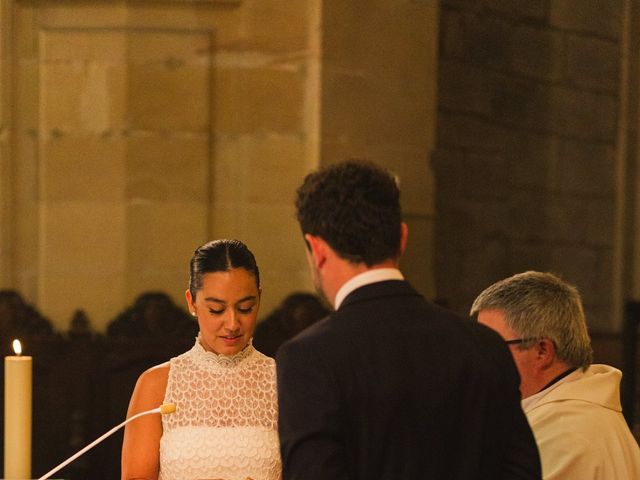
517,341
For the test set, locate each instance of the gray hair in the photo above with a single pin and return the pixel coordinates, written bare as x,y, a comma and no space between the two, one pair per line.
540,305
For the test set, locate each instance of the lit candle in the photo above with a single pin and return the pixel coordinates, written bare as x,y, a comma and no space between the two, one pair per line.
17,415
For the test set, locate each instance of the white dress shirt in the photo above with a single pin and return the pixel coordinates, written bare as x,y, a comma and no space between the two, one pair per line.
365,278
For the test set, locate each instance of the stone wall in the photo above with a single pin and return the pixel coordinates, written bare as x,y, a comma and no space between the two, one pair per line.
379,102
527,146
133,131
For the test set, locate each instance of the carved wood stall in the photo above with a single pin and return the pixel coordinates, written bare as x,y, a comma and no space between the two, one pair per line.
82,381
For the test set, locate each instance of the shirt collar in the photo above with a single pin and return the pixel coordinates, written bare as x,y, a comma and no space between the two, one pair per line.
365,278
529,402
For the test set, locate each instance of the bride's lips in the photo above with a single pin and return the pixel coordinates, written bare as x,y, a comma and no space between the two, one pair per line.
231,340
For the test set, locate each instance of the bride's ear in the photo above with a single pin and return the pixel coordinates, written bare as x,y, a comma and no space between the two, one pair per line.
190,306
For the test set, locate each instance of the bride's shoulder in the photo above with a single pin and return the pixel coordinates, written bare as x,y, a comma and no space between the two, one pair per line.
150,389
155,377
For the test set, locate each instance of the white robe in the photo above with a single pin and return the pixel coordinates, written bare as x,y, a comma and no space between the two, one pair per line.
580,430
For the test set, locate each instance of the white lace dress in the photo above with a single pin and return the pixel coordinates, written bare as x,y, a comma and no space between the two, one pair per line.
225,423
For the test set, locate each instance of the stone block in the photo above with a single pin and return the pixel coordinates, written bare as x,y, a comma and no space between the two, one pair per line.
24,22
259,169
81,80
82,236
469,175
170,48
259,99
447,266
274,290
600,222
384,37
525,256
169,81
531,158
528,216
488,41
100,294
104,46
593,62
77,97
464,88
273,235
378,71
470,5
449,175
279,25
417,183
7,205
167,167
585,168
578,265
417,261
83,15
599,320
466,224
82,168
583,114
160,239
465,131
26,94
169,97
567,219
482,268
373,109
81,256
538,52
520,9
410,164
486,219
520,102
452,35
588,16
603,294
487,176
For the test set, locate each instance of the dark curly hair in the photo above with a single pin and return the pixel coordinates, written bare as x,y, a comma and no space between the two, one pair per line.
355,207
220,256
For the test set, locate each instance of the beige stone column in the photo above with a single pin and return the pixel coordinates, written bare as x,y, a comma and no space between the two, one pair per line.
379,76
5,148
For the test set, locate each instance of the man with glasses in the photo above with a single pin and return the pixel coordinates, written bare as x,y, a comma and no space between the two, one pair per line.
572,406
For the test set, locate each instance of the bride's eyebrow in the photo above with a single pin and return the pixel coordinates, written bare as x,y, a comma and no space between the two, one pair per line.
213,299
248,297
243,299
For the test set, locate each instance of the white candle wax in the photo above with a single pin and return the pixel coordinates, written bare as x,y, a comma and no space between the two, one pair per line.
17,416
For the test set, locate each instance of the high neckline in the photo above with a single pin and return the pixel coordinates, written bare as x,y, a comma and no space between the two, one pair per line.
227,361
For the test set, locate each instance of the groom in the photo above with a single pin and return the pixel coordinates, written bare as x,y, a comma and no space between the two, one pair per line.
389,386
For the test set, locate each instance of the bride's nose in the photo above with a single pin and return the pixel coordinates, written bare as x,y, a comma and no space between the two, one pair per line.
231,320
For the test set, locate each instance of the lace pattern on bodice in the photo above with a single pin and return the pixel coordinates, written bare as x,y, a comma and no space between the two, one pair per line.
225,423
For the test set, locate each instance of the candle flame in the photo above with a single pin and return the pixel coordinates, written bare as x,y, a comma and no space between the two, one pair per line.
17,347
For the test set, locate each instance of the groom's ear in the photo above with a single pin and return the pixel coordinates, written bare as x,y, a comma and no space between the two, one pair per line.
317,249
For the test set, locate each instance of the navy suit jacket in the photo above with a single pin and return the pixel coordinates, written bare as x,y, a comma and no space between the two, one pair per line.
393,387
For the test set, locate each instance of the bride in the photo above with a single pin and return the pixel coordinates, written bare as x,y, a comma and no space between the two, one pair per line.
225,423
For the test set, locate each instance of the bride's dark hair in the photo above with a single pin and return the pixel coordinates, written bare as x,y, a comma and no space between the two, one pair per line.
220,256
